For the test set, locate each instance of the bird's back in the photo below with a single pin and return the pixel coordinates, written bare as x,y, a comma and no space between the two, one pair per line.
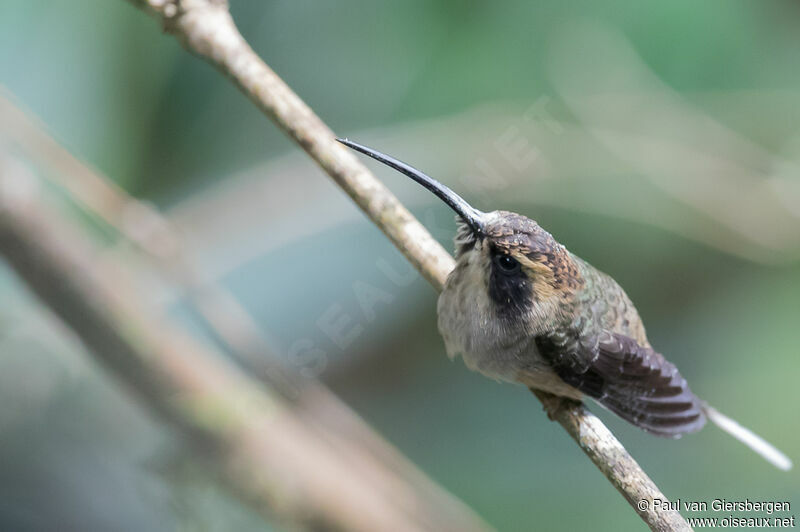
605,300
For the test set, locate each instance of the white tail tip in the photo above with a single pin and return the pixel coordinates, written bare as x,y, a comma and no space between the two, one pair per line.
749,438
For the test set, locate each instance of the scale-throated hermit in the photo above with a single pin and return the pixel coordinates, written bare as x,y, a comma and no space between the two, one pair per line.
520,307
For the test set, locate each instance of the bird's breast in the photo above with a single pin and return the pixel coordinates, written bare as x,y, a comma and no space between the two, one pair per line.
488,344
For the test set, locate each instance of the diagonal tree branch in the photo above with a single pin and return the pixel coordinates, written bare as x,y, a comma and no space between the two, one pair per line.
205,28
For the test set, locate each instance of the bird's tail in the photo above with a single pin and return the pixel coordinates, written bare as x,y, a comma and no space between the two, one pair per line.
749,438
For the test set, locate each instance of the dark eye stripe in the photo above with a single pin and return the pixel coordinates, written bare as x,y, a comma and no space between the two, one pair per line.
509,287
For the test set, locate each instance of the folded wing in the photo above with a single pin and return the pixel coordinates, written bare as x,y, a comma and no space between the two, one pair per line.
635,382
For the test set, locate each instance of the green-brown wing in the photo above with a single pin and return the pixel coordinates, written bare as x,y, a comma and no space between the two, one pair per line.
633,381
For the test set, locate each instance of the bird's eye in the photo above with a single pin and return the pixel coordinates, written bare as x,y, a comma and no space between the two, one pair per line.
507,264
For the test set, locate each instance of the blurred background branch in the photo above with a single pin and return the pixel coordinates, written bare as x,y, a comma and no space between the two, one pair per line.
323,412
266,453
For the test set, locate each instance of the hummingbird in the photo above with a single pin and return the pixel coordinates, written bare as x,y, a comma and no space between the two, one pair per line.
521,308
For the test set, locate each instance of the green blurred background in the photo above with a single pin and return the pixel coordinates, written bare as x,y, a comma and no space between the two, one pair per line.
660,141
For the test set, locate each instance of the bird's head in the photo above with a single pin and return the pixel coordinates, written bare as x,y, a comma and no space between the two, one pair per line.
508,257
524,267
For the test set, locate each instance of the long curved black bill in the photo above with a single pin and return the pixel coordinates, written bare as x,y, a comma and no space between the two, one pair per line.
472,216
